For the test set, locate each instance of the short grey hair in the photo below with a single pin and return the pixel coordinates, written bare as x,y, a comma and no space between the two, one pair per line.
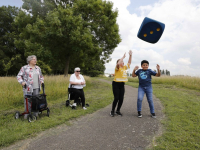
76,69
29,58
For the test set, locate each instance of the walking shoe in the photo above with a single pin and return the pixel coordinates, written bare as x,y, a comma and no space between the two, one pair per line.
153,115
139,114
118,113
112,113
84,108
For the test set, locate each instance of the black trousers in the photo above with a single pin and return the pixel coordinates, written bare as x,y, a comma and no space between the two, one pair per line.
79,93
118,92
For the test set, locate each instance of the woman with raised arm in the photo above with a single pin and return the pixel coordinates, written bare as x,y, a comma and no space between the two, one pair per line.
118,83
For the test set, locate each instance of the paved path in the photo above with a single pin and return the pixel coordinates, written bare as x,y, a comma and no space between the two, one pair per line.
99,131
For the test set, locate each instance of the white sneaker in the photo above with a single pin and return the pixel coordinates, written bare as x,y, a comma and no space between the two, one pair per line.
84,108
74,104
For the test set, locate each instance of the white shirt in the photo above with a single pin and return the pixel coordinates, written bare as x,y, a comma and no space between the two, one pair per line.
73,78
35,79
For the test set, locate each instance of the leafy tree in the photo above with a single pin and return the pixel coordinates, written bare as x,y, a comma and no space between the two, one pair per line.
163,71
167,72
82,30
10,57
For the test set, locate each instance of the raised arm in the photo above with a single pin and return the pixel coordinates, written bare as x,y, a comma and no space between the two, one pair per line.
158,69
120,61
133,73
130,57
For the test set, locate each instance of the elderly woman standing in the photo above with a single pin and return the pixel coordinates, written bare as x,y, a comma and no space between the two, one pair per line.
77,82
31,76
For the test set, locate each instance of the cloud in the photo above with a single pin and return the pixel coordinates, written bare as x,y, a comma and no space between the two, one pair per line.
184,61
179,44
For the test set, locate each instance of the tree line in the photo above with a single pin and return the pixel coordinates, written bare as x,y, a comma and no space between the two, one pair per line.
164,72
63,34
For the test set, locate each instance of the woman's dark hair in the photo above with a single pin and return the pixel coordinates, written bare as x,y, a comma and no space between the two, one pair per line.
117,61
144,61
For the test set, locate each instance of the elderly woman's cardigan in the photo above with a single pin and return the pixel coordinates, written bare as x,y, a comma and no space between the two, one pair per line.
26,75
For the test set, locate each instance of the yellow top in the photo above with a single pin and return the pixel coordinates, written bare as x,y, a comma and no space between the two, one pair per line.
121,74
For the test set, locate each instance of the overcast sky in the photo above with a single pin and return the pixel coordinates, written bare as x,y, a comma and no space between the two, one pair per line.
178,50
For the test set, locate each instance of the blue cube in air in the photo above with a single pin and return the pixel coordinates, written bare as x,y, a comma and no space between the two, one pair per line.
150,30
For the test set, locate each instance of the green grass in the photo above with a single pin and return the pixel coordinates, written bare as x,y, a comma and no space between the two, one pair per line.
182,123
12,130
180,97
179,81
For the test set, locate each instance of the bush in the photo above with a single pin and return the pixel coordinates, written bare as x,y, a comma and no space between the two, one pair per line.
93,73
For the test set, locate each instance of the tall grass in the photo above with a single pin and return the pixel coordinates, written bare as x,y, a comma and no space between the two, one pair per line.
11,94
180,81
56,87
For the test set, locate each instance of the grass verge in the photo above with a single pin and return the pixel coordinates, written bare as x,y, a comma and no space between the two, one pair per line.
12,130
181,107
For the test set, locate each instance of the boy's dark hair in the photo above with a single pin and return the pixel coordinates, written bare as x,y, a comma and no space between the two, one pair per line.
144,61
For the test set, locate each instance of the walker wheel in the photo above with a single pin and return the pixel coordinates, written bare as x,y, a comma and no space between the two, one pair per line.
32,118
67,103
17,115
48,111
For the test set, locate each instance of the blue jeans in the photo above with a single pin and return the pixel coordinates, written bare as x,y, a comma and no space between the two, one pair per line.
149,94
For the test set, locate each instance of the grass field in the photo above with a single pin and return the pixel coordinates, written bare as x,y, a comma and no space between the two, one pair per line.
180,97
179,81
11,99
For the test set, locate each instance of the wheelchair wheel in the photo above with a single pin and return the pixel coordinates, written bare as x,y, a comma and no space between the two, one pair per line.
67,103
17,115
48,111
31,118
73,107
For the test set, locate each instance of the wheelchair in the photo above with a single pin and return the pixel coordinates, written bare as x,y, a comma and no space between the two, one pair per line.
71,97
38,103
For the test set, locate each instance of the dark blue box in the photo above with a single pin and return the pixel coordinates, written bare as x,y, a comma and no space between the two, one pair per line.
150,30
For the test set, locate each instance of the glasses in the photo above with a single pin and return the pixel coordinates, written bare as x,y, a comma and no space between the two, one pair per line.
78,71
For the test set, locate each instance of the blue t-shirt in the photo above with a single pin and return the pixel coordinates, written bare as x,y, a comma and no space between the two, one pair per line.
144,77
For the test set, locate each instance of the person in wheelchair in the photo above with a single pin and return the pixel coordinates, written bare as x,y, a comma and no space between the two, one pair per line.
76,84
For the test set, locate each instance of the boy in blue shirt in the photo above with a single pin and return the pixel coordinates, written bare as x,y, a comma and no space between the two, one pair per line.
144,76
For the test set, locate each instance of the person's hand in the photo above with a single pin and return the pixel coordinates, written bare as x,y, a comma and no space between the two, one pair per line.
23,83
136,68
124,55
130,53
158,67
